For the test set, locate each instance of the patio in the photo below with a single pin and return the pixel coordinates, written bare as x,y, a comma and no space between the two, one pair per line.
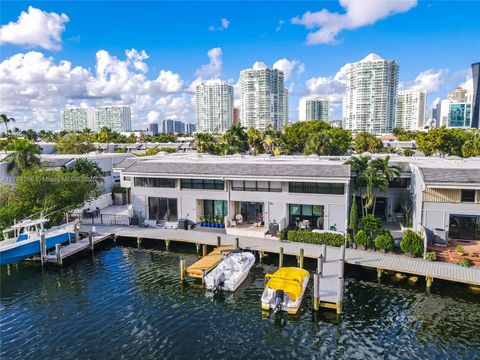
471,251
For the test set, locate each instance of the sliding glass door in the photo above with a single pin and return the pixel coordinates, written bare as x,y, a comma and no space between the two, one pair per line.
464,227
162,209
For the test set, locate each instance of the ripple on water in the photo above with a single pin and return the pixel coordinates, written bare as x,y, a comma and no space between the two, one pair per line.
127,303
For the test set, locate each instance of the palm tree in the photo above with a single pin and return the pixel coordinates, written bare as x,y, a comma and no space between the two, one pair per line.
254,140
236,138
5,119
24,155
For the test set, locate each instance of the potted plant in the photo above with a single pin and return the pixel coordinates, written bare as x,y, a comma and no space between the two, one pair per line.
459,249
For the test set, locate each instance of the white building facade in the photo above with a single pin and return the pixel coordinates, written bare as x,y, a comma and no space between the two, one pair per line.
411,108
214,106
264,98
116,118
370,97
313,108
78,119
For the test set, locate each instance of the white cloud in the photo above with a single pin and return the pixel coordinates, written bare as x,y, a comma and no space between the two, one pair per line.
289,67
329,87
280,25
35,88
153,117
327,25
35,28
428,80
214,68
224,24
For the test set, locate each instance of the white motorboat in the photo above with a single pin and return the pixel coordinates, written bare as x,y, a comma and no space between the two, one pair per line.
231,272
285,290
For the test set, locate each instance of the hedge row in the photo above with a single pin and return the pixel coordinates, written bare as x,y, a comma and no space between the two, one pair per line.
316,238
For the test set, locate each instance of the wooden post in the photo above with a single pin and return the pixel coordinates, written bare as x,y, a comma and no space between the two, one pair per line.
203,277
342,261
182,269
429,280
324,252
139,241
167,245
219,241
237,243
379,275
204,250
43,247
300,259
320,265
316,292
342,252
280,258
197,247
90,240
261,255
58,251
340,295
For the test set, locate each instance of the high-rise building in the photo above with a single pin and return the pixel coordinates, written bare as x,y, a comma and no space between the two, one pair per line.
153,128
236,116
214,106
458,95
313,108
369,100
77,119
411,108
170,126
264,98
116,118
476,95
189,128
460,115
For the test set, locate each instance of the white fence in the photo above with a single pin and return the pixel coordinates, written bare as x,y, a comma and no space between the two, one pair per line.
101,202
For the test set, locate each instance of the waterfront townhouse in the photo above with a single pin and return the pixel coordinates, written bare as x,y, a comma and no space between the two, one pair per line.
446,196
250,193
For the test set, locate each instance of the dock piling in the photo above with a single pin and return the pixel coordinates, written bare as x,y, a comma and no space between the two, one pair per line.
261,255
429,280
342,261
340,288
320,265
58,252
197,247
300,258
182,269
379,275
237,242
167,245
139,241
204,250
219,241
316,292
90,240
280,258
324,252
77,232
43,248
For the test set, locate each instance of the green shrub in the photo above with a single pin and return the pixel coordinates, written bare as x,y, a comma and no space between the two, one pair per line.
431,256
464,262
361,238
412,243
385,241
369,224
459,249
316,238
282,234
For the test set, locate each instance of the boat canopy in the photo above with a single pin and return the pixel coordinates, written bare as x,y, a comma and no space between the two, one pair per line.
26,223
288,279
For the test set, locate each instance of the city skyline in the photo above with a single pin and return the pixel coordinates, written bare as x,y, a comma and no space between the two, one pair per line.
73,64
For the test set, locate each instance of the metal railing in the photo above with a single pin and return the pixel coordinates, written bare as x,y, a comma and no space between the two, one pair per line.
103,219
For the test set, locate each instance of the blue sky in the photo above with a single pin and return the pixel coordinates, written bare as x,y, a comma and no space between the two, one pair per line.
434,43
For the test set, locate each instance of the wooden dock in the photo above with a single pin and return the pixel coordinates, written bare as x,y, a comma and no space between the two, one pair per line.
207,263
370,259
63,252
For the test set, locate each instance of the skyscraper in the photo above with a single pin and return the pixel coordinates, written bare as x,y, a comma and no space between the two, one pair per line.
369,100
411,107
313,108
214,106
264,98
458,95
77,119
116,118
476,95
153,128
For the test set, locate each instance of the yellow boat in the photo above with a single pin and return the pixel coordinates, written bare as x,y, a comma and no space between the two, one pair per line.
285,290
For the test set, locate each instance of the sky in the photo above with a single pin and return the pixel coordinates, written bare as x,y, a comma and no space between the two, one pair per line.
150,55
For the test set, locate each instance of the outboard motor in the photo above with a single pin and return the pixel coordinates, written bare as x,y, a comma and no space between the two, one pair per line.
279,296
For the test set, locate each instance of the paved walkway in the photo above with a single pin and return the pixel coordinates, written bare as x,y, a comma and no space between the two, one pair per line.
378,260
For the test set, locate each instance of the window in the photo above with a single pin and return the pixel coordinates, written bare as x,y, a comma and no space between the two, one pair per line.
126,178
400,183
468,196
313,213
215,207
162,209
154,182
204,184
106,173
248,185
316,188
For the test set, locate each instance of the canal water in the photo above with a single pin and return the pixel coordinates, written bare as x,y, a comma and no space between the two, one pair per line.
127,303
